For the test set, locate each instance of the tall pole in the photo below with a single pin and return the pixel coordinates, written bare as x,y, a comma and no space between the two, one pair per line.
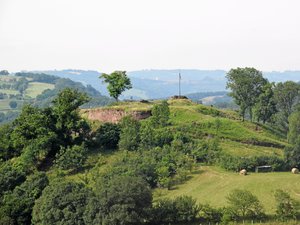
179,77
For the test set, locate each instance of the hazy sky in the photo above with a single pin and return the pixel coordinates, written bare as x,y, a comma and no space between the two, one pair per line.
160,34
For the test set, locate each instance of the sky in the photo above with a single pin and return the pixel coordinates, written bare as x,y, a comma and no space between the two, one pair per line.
149,34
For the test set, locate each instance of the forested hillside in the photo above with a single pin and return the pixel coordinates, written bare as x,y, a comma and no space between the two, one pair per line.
17,90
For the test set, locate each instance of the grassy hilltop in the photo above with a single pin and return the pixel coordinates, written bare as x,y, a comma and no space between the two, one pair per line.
211,184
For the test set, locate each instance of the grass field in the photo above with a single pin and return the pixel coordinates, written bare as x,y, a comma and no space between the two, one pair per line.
36,88
245,150
4,104
9,91
212,185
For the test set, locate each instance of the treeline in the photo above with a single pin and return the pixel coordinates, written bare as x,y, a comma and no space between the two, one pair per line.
36,140
39,77
45,99
96,99
277,104
261,100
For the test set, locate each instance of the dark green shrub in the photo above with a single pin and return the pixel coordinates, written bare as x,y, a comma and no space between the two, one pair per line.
209,214
286,207
6,150
187,209
10,177
207,151
122,200
245,205
182,209
17,205
236,163
160,114
63,202
163,137
130,133
147,136
108,135
71,157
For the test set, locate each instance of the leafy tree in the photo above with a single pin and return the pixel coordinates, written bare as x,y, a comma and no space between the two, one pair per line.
294,126
160,114
13,104
6,150
63,202
187,208
183,209
246,85
17,205
32,123
265,107
10,177
122,200
36,153
287,208
208,213
147,136
71,157
164,211
206,151
164,176
245,204
286,96
163,137
292,153
21,85
117,83
130,133
108,135
70,127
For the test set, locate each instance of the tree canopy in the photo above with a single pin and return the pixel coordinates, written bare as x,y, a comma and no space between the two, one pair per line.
246,85
63,202
244,204
117,82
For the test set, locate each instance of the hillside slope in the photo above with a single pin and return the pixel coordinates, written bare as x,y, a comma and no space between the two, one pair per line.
38,89
239,139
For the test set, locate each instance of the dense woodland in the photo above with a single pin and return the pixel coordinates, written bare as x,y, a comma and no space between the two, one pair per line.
46,176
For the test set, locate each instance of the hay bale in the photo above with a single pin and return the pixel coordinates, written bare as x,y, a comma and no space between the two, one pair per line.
295,171
243,172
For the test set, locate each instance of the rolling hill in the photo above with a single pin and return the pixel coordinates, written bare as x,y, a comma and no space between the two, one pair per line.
38,89
243,140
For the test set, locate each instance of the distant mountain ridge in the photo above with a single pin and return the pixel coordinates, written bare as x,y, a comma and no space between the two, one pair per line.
151,84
